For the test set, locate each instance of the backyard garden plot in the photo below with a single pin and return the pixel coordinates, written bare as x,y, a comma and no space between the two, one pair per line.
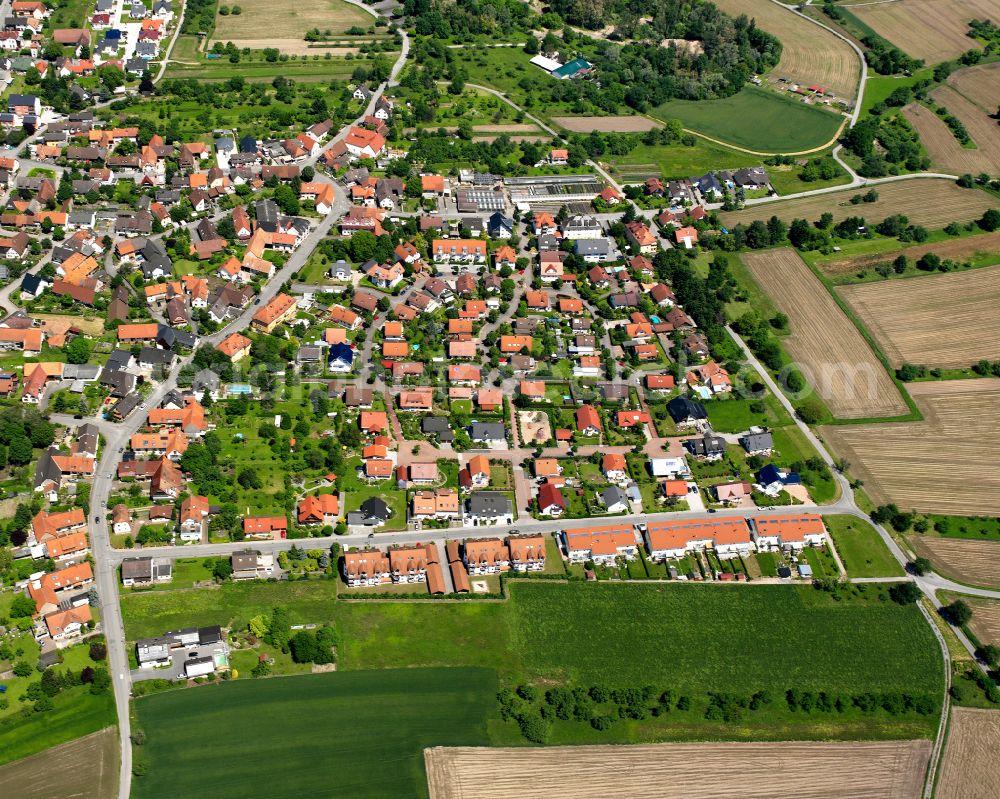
946,320
933,30
916,464
331,735
833,356
890,769
968,561
982,248
88,769
809,54
931,202
286,25
968,768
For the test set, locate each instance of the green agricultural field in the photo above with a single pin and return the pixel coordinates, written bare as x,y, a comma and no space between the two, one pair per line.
77,712
330,735
862,551
756,119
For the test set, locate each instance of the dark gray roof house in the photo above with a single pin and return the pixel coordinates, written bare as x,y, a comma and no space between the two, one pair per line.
438,426
487,431
489,505
757,441
708,446
684,410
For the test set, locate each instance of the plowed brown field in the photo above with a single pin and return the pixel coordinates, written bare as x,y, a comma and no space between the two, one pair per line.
934,30
831,353
811,770
931,202
86,768
617,124
943,464
944,320
809,53
963,559
969,766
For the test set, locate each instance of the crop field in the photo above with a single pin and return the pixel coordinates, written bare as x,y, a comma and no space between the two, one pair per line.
286,25
809,53
970,248
931,202
889,770
756,119
676,160
933,30
985,619
945,151
917,465
616,124
968,767
330,735
88,769
861,549
685,636
833,357
944,320
968,561
978,84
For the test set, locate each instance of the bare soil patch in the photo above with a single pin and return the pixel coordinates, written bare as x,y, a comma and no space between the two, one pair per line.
827,347
86,768
298,47
943,320
535,427
809,54
934,30
887,769
943,464
614,124
931,202
90,327
962,559
954,249
969,767
288,21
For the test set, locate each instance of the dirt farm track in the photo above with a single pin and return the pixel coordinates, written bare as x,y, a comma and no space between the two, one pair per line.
917,465
807,770
969,767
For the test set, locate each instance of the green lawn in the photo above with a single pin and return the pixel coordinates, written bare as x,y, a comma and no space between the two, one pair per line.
756,119
330,735
677,160
393,497
734,415
861,549
788,181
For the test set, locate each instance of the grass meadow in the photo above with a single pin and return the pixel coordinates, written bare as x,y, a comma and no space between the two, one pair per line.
756,119
862,551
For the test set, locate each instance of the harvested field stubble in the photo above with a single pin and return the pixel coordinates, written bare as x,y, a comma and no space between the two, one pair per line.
969,561
809,53
88,769
942,146
916,464
833,356
934,30
985,619
931,202
889,770
615,124
969,766
906,317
